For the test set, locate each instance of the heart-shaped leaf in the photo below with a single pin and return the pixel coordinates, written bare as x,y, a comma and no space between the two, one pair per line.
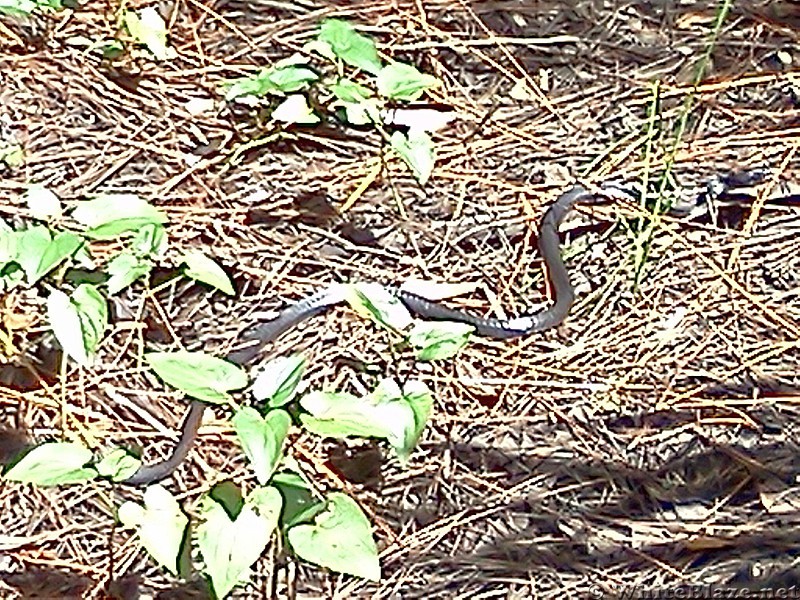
262,439
199,375
278,380
340,539
160,523
230,544
54,463
349,45
202,268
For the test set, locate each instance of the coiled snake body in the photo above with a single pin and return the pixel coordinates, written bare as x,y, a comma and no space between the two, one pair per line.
563,294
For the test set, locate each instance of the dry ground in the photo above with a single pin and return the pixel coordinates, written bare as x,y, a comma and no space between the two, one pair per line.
649,441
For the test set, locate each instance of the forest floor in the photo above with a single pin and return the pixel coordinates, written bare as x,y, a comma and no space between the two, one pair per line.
650,441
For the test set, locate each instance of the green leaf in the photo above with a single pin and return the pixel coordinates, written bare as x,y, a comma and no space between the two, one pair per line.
148,29
439,340
109,215
340,539
290,79
149,241
9,240
118,464
347,90
416,400
229,546
11,154
340,415
42,203
417,395
349,45
359,107
93,314
278,380
399,81
199,375
54,463
416,149
262,439
274,80
124,269
21,8
160,524
396,415
374,301
78,322
295,109
204,269
38,253
299,503
66,325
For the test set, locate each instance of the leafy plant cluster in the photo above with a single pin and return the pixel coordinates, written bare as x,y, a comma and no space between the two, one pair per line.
25,8
234,527
358,96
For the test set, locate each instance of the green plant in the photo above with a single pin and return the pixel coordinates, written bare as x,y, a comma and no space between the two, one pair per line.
24,8
354,85
234,526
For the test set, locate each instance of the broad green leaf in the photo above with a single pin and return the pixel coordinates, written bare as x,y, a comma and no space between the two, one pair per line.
396,415
109,215
38,253
54,463
366,112
199,375
295,109
399,81
278,380
148,29
349,45
9,240
42,203
337,414
416,400
436,340
347,90
299,504
291,78
204,269
262,438
359,107
21,8
160,523
416,149
118,464
124,269
93,314
230,546
66,325
417,395
274,80
149,241
375,301
340,539
11,154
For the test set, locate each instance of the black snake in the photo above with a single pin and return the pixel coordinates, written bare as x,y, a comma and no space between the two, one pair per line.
549,247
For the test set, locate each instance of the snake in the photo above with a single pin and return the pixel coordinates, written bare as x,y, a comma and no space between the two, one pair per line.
563,296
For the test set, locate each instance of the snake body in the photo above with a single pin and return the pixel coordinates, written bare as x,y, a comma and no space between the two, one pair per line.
549,248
